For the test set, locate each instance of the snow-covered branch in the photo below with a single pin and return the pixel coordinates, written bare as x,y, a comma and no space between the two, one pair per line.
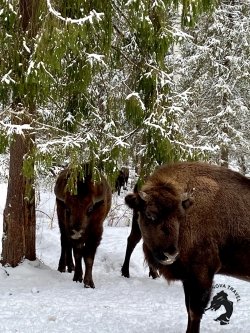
90,18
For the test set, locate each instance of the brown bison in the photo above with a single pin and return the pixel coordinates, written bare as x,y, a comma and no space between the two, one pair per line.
195,223
133,239
122,180
80,217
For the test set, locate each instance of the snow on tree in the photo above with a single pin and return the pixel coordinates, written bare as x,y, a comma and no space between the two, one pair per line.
84,81
214,65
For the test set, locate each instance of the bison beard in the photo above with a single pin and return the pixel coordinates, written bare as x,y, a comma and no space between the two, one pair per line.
194,221
80,218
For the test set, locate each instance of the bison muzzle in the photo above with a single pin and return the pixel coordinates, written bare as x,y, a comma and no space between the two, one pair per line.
80,217
195,222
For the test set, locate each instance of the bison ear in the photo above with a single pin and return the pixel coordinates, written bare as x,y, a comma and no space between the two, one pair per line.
131,200
186,200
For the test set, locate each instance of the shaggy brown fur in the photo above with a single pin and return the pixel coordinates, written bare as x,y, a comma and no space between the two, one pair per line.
195,222
122,180
80,218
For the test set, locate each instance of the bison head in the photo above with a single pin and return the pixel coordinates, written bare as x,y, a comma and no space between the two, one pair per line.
78,210
80,207
161,209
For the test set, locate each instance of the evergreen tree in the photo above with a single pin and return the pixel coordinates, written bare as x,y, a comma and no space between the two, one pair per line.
83,81
214,65
19,214
32,76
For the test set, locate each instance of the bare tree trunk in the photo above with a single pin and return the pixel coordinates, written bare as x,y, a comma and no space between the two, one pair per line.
19,221
242,164
13,227
29,209
224,156
225,99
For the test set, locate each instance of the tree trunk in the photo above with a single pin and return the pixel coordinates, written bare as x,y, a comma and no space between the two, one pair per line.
19,221
224,156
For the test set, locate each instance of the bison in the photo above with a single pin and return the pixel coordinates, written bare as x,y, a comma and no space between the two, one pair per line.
195,223
80,217
132,240
122,179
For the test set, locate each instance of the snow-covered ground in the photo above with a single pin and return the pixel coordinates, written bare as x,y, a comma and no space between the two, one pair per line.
36,298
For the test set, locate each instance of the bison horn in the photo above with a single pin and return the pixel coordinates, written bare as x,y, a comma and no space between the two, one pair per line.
144,196
184,196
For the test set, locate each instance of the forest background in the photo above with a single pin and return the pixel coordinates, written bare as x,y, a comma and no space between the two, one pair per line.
135,83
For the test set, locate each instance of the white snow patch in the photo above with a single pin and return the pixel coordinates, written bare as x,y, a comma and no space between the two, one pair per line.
35,297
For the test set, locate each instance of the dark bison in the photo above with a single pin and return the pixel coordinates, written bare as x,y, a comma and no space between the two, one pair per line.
133,239
195,223
122,179
80,217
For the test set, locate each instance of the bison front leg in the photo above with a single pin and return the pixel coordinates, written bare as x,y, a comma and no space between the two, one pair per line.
66,255
62,260
78,264
88,279
197,295
66,246
89,256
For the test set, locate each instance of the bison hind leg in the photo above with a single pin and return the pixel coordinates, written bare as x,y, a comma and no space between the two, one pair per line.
71,267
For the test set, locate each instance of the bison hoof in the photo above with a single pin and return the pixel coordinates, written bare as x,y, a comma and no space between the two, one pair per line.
125,273
61,269
77,278
153,274
91,285
71,268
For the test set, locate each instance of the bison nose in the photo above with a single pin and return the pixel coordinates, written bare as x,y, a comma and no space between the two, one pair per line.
76,234
171,250
167,257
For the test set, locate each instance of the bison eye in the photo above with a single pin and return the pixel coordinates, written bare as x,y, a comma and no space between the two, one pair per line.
90,210
151,216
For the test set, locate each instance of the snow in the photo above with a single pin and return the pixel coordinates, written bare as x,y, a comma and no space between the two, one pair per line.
89,18
35,297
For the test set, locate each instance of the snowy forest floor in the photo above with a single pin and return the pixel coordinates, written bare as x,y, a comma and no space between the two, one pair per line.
35,297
